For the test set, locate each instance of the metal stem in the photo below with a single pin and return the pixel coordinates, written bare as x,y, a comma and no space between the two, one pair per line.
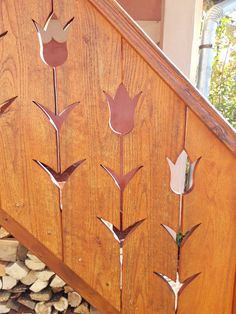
58,148
121,275
121,219
181,213
56,109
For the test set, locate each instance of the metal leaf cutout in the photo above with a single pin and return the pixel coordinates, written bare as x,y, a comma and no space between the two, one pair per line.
121,235
122,181
59,179
3,34
56,120
177,287
171,232
6,104
180,238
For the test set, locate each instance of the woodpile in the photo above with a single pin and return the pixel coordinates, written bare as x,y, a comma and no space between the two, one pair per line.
28,286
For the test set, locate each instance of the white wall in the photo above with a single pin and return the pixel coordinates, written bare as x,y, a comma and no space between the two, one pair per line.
152,29
181,34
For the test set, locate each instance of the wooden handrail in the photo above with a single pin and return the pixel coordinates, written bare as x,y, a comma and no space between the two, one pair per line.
152,54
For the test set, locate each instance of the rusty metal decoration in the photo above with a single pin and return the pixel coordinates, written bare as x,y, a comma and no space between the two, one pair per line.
121,122
181,183
53,52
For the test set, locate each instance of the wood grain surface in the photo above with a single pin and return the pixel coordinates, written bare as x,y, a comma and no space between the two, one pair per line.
67,274
26,192
94,65
105,49
158,133
167,70
211,249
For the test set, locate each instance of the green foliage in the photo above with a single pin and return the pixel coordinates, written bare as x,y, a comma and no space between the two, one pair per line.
223,81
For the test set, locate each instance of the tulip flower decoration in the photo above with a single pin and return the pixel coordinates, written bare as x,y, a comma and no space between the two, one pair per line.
53,51
122,109
53,40
181,183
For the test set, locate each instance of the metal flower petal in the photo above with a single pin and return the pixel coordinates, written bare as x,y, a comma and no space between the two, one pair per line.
53,41
122,109
120,235
182,173
122,181
56,120
59,179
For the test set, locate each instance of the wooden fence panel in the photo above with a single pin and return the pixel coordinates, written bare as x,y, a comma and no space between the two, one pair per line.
74,240
211,250
158,133
94,65
26,192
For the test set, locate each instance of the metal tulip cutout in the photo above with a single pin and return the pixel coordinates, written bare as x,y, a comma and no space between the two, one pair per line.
181,183
53,40
122,110
53,51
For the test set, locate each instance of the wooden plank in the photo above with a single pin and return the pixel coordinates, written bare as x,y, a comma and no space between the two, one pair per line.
211,250
158,133
93,66
27,193
234,297
163,67
55,264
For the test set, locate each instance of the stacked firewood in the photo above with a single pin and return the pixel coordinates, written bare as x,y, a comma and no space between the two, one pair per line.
28,286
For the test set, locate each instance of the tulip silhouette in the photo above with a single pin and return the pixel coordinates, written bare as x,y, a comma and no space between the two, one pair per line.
122,109
53,41
182,173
